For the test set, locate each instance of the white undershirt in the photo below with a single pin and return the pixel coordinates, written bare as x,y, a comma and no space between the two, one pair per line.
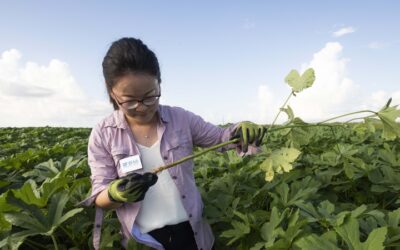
162,204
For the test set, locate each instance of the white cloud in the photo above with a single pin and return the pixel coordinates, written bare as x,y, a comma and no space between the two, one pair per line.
378,99
332,93
263,108
40,95
343,31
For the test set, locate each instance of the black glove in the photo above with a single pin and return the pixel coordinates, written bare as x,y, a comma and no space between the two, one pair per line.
249,133
131,188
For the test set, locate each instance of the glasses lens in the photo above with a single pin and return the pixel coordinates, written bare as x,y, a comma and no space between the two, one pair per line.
130,105
150,100
134,104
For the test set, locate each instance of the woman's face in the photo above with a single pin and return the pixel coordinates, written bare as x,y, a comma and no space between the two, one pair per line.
137,96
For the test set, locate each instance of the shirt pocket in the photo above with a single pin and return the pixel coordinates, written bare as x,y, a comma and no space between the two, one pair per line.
180,147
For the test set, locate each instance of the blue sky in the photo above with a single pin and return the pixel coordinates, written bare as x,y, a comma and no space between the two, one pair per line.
224,60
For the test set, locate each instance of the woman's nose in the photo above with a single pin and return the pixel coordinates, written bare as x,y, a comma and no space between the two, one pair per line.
141,107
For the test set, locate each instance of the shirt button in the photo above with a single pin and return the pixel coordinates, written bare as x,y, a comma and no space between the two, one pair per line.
190,215
183,197
165,157
98,225
174,177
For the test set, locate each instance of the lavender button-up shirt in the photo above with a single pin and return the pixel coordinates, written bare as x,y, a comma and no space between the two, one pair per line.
179,130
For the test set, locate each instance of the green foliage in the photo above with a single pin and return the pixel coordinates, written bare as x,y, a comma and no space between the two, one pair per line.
341,192
312,186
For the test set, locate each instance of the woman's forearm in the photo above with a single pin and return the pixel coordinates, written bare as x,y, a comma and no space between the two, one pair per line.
103,201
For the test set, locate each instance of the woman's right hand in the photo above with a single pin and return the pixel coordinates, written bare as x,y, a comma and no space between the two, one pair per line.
131,188
249,133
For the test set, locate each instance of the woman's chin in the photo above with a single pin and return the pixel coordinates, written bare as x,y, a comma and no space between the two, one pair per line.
142,118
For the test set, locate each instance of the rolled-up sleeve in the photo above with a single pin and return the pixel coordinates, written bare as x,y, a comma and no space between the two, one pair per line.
101,164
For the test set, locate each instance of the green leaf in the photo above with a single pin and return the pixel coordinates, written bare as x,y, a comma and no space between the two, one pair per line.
269,231
388,103
14,241
326,208
375,239
371,124
239,230
4,224
293,220
279,161
297,82
350,233
258,246
31,217
314,242
34,219
348,170
308,211
391,128
4,205
289,112
282,191
50,186
394,218
67,215
269,171
358,211
340,218
29,194
108,238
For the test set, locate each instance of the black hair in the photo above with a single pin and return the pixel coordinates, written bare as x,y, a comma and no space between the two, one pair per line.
128,55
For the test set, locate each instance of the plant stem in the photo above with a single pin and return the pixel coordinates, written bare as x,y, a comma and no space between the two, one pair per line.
304,125
352,113
69,236
54,242
189,157
276,117
280,110
34,244
357,118
390,202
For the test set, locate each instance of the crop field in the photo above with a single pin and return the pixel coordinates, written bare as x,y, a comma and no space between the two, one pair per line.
322,186
333,187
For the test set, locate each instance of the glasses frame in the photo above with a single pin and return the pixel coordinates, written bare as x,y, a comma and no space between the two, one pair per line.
141,101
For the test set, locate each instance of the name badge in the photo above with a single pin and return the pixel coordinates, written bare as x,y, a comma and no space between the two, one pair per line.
130,164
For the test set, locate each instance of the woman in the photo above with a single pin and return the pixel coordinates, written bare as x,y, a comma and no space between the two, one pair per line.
162,211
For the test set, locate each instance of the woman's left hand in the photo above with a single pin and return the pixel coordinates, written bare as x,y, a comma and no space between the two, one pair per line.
249,133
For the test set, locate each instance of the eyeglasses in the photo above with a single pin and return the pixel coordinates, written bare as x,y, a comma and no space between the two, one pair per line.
132,104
